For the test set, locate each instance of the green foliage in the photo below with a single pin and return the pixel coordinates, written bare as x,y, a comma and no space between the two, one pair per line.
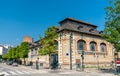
112,25
12,54
5,56
48,41
23,50
17,52
17,49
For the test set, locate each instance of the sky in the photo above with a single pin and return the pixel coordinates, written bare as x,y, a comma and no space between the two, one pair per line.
19,18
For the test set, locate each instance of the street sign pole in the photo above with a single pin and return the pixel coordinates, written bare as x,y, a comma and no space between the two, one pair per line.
71,40
82,60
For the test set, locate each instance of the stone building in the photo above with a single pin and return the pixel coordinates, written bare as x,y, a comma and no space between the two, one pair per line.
78,42
86,43
34,55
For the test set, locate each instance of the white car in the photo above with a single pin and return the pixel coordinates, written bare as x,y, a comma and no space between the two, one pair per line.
15,64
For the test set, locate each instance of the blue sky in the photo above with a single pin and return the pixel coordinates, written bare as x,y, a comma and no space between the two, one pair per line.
19,18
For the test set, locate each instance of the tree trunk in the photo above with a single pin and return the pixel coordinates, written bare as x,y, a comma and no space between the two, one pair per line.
49,61
24,62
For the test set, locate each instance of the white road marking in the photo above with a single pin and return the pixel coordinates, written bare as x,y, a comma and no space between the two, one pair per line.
5,73
33,72
19,72
13,73
26,72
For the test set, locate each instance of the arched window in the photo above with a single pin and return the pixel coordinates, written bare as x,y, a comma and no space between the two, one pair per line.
56,45
81,45
92,46
102,47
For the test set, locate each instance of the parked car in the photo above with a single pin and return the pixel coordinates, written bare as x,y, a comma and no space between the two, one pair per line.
3,61
15,64
9,62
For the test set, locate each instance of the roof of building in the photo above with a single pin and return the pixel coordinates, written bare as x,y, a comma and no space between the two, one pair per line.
34,44
82,27
79,21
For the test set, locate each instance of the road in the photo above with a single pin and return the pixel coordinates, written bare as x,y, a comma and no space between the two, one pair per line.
9,70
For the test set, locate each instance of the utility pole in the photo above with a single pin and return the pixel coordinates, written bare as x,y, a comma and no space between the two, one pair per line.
71,41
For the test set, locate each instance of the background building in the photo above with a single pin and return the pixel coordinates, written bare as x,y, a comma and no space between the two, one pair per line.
4,49
33,55
27,39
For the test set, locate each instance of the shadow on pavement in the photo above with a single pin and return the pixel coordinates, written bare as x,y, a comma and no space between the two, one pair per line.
2,75
104,70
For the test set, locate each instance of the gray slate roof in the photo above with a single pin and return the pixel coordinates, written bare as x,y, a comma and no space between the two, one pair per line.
78,26
35,44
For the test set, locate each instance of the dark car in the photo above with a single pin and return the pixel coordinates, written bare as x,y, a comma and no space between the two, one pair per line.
10,62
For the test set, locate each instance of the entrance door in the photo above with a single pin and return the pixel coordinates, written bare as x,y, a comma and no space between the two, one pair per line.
54,61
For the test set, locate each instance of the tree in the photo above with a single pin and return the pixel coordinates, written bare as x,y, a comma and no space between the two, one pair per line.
5,56
48,42
10,54
17,52
112,25
23,50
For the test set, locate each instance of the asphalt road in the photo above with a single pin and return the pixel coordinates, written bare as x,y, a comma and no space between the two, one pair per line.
9,70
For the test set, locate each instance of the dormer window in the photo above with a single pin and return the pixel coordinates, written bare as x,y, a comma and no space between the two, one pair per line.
79,27
91,30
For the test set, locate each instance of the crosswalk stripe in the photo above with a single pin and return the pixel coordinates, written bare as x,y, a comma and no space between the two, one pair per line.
32,72
43,72
19,72
5,73
64,73
13,73
26,72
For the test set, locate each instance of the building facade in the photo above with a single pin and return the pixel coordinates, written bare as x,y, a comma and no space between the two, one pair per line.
4,49
80,43
33,55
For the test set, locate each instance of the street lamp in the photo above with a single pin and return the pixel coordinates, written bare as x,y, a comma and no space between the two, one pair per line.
98,62
71,41
115,67
82,60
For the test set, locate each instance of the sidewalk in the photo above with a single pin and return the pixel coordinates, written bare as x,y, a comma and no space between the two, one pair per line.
86,72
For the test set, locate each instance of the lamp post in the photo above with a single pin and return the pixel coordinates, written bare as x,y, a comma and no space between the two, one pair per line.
71,40
115,67
82,60
98,62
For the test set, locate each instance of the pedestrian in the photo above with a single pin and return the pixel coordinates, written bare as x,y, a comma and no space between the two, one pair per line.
112,64
37,66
